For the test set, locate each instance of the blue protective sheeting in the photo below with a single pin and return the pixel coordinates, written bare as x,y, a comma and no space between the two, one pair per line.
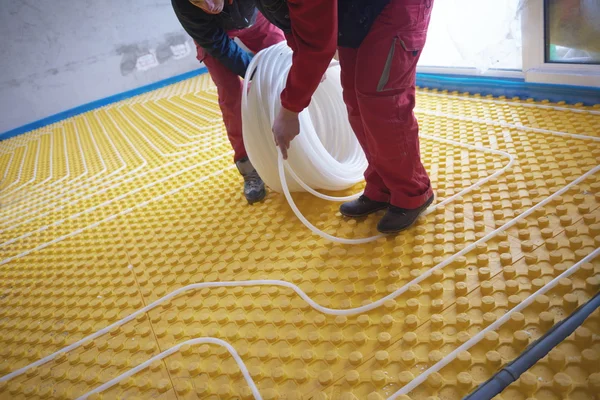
510,88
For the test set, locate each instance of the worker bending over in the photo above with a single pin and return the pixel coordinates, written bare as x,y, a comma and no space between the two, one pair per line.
213,24
380,42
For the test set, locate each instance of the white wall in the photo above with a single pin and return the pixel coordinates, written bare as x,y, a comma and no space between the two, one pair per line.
59,54
487,36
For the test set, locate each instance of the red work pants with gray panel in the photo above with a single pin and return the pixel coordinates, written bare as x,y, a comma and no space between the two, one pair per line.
379,79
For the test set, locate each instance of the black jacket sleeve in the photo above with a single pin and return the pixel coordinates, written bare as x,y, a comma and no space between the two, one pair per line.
206,31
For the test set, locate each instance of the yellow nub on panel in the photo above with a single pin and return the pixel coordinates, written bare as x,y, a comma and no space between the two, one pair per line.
107,212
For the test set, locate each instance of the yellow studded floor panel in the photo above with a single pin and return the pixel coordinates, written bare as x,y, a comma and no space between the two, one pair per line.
125,241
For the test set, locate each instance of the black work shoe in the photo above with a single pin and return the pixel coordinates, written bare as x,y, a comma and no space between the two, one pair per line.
361,207
397,219
254,187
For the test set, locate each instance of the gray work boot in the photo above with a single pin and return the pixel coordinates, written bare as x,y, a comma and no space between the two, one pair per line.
254,187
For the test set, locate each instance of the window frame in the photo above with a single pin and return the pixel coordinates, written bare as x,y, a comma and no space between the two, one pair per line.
535,67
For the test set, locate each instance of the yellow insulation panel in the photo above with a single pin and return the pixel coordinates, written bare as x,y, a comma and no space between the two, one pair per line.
138,204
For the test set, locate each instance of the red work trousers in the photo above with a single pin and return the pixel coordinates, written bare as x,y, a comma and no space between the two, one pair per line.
379,79
229,85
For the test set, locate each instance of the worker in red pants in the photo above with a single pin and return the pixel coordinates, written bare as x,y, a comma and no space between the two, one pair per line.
380,42
213,24
378,78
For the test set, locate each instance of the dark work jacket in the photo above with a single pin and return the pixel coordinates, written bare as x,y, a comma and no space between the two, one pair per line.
276,11
355,18
210,31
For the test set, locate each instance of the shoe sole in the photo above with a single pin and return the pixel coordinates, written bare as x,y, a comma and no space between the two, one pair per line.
424,207
258,199
364,214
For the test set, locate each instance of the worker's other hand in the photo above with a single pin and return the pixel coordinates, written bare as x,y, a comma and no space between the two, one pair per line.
324,77
285,128
210,6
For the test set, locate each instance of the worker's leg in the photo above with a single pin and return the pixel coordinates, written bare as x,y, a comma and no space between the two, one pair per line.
229,89
261,35
375,188
385,86
376,195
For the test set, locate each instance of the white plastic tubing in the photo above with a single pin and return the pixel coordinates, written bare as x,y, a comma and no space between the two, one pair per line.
244,370
326,154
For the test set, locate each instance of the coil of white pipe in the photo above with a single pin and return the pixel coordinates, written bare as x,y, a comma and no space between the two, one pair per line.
326,154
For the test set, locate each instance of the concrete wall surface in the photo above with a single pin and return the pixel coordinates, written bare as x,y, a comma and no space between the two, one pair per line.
59,54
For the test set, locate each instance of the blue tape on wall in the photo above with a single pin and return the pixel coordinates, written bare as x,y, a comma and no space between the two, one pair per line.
510,88
100,103
485,86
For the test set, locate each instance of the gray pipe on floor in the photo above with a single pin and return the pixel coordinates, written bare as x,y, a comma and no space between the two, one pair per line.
534,352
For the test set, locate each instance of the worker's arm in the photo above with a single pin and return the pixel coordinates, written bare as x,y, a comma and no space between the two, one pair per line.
205,31
313,39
